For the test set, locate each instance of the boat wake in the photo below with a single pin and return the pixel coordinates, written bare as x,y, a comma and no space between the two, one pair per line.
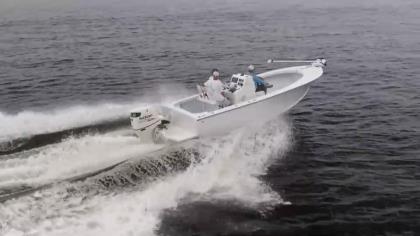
17,129
73,157
131,197
38,149
39,140
32,129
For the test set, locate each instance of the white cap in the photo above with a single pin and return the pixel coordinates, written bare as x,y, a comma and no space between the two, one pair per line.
216,73
251,68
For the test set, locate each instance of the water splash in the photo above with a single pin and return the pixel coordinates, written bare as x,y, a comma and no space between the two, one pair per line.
228,168
72,157
28,123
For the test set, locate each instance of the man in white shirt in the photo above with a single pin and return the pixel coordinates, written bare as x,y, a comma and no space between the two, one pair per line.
214,88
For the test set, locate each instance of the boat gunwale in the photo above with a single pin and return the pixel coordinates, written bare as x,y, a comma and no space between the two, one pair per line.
307,77
298,69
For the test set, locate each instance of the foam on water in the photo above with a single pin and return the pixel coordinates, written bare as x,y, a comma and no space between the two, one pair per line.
72,157
27,123
229,169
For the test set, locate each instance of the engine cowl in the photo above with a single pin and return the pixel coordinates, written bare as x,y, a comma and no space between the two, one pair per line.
144,121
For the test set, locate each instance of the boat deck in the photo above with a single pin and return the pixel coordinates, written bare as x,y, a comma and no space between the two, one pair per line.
278,80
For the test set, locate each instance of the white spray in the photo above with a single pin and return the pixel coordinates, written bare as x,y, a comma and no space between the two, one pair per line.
229,170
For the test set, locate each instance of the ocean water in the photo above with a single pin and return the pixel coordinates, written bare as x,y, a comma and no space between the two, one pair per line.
344,161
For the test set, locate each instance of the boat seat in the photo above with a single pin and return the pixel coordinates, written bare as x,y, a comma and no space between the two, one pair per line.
201,91
203,97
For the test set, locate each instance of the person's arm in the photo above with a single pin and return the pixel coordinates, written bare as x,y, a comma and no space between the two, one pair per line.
206,83
221,87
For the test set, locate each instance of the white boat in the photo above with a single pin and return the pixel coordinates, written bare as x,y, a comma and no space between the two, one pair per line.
197,116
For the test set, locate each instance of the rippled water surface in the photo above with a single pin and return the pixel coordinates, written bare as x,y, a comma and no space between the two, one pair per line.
344,161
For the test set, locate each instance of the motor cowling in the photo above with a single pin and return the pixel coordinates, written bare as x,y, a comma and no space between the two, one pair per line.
147,122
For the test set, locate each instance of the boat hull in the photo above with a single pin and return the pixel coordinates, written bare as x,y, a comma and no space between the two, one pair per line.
251,114
190,117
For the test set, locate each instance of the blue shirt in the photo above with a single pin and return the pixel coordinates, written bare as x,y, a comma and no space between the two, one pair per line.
257,80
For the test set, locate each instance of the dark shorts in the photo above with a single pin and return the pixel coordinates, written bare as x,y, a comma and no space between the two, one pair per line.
261,87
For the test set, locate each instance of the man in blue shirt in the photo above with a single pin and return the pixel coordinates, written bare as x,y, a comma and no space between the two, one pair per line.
260,84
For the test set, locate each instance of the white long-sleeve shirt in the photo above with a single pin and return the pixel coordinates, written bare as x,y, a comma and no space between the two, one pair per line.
214,89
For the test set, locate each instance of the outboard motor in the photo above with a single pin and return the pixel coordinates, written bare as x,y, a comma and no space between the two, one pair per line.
148,124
